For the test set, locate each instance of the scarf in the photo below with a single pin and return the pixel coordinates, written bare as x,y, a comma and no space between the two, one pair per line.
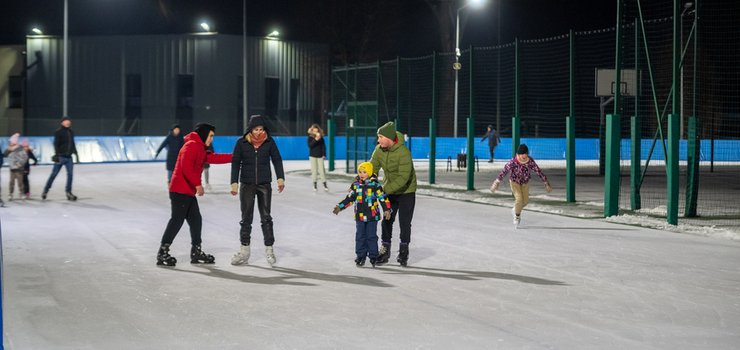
257,141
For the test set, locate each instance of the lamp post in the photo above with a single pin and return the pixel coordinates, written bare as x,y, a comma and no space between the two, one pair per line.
245,113
457,66
65,60
686,7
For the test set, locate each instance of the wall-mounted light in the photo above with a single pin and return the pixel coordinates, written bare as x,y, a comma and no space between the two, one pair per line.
37,31
273,35
205,26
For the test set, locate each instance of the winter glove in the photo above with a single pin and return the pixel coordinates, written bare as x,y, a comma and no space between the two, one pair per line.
495,185
548,188
234,189
387,215
336,210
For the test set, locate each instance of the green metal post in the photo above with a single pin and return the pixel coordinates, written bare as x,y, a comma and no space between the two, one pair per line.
570,132
346,118
329,126
398,90
371,136
674,118
433,125
515,121
694,152
613,130
332,142
471,126
636,132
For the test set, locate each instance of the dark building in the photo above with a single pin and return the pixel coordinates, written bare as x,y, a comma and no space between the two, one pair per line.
140,85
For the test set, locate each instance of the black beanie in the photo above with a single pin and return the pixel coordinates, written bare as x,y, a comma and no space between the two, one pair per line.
523,149
255,121
175,126
203,129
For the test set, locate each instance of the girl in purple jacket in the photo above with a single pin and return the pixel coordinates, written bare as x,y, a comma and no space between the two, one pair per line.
520,167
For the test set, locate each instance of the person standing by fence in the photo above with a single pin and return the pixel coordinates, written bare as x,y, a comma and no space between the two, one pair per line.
64,148
316,155
173,142
493,141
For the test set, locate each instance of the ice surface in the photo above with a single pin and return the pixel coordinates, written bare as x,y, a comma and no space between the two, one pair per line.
82,275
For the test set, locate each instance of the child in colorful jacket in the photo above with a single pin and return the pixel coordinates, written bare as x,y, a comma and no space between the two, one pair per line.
369,198
520,168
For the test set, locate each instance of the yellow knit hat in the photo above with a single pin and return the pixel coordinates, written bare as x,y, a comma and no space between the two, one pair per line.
367,166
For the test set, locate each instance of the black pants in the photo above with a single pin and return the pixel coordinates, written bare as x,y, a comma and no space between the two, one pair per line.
491,149
25,182
247,192
403,205
184,207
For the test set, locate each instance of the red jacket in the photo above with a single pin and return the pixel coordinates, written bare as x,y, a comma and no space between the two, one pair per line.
189,166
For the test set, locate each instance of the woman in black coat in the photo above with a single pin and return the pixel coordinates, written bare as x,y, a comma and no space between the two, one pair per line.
173,142
316,154
251,177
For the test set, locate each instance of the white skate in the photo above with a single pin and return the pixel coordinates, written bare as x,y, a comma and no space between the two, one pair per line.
242,256
270,255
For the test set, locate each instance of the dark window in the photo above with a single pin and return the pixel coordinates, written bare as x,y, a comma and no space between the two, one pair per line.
133,96
272,95
15,91
184,103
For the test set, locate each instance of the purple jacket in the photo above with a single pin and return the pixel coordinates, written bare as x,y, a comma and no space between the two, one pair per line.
520,173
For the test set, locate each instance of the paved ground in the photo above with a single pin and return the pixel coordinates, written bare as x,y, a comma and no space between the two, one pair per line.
81,275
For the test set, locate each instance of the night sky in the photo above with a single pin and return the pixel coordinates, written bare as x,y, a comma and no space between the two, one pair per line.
396,27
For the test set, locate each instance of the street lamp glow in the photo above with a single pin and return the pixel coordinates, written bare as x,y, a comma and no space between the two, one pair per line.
205,26
274,34
476,3
37,31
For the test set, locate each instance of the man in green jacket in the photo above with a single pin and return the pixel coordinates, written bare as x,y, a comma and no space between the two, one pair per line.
399,182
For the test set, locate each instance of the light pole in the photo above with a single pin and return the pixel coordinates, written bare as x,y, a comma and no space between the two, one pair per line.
457,66
65,60
245,113
686,7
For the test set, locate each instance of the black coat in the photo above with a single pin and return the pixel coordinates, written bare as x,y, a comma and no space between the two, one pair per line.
64,142
316,149
173,144
250,166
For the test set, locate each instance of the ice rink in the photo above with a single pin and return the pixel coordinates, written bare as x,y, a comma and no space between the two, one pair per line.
82,275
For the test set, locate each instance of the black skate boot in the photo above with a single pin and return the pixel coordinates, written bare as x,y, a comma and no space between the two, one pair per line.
384,253
163,256
360,262
403,254
71,197
198,257
373,261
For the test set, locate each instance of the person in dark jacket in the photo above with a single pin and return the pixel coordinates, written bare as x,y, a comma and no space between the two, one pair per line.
316,154
173,142
250,167
370,201
493,141
27,169
184,186
64,148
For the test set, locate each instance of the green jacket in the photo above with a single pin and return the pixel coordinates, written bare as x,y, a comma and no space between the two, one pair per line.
398,167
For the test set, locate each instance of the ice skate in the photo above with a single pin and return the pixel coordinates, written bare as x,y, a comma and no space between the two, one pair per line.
403,254
242,256
516,218
71,197
360,262
314,187
164,258
326,188
197,256
384,253
373,261
270,255
43,195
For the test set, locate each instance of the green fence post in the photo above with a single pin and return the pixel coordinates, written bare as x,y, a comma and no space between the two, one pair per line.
398,91
515,121
613,130
636,133
329,126
471,126
433,125
674,122
692,175
570,127
346,118
332,138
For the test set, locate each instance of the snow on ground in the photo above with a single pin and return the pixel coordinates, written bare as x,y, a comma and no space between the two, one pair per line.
82,275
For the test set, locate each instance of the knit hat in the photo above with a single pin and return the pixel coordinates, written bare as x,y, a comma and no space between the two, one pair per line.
65,118
388,130
175,126
203,129
255,121
367,166
14,139
523,149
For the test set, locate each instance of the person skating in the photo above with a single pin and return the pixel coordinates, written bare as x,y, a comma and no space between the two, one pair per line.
520,167
493,141
316,155
185,185
27,169
251,177
399,182
173,142
17,160
64,148
370,203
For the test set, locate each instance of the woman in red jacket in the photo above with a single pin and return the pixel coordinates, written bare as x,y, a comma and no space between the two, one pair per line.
184,186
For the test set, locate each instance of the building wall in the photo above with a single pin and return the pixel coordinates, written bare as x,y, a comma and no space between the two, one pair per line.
99,67
11,64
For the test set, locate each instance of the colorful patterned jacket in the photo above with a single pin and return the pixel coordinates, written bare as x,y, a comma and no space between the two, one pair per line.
520,172
369,199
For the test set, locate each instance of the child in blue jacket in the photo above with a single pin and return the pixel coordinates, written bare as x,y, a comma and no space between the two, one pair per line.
370,201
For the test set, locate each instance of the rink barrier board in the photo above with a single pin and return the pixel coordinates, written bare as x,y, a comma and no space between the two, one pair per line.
107,149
